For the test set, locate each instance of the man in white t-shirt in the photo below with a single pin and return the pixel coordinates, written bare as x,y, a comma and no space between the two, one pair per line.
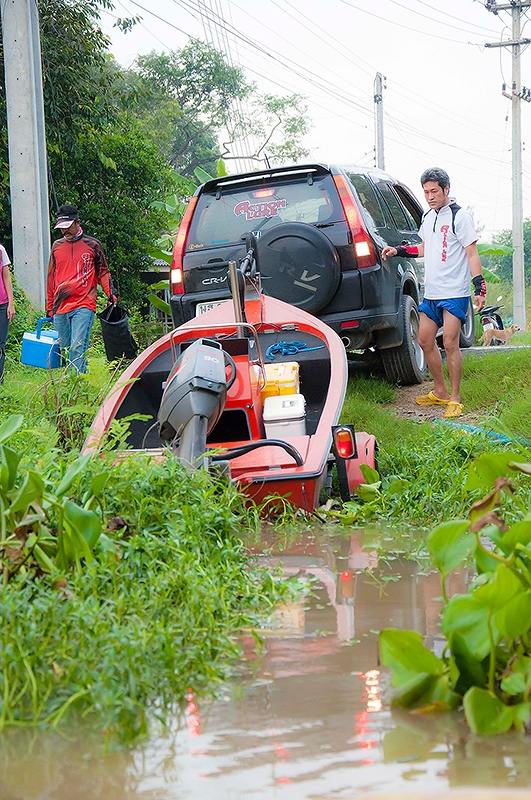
451,260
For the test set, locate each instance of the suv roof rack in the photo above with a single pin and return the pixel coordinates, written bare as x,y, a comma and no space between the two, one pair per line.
247,177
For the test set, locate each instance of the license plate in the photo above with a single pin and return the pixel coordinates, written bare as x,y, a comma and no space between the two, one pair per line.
202,308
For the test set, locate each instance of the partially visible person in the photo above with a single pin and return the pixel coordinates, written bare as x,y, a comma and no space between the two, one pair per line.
77,265
7,305
451,261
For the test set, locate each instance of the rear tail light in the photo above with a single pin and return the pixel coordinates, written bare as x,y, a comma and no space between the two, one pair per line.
176,274
346,584
344,441
364,247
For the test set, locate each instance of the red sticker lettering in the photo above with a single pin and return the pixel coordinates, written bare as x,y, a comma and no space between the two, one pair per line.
444,251
259,210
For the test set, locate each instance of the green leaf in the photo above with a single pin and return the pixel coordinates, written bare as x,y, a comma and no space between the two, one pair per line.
368,491
9,461
371,475
495,594
86,523
158,302
10,426
519,533
522,715
159,253
485,713
409,693
159,286
484,470
75,469
397,486
514,619
98,482
406,655
221,169
30,491
467,618
485,249
450,544
202,175
484,562
514,684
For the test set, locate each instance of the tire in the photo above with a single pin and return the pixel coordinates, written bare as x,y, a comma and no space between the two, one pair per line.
298,264
467,337
406,364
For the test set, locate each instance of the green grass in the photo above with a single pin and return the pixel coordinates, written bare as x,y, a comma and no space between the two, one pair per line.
434,458
156,613
497,386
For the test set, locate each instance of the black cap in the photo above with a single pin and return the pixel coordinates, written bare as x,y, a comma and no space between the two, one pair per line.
66,215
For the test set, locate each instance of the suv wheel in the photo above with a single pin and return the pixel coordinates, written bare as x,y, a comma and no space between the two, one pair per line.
467,337
406,364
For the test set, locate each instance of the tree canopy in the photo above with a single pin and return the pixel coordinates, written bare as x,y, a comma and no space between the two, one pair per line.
119,139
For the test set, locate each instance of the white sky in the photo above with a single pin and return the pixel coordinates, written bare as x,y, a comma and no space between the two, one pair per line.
443,103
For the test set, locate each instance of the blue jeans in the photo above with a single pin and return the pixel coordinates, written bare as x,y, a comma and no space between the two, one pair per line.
4,325
74,330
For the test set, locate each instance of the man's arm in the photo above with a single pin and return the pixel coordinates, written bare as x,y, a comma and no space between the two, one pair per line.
6,274
50,285
474,263
103,272
408,251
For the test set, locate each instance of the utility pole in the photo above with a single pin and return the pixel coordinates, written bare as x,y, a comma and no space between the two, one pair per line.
27,146
379,86
516,95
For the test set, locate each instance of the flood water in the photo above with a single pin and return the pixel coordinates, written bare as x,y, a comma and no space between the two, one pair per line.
307,717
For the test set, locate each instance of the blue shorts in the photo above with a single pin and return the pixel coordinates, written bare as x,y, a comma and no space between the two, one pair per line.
458,306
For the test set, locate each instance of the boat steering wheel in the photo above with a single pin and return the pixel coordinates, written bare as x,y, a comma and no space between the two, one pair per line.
229,362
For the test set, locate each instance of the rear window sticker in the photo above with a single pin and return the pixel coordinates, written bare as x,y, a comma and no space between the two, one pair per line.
259,210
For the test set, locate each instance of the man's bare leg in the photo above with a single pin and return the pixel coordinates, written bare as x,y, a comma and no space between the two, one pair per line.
426,338
454,359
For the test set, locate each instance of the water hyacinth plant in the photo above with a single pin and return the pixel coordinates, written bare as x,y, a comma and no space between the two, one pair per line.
486,665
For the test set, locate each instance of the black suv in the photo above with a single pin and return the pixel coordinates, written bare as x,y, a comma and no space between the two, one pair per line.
321,230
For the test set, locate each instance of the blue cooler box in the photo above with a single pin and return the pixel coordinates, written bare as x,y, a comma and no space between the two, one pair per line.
41,348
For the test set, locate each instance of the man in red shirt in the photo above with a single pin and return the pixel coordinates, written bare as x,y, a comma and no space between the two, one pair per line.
77,265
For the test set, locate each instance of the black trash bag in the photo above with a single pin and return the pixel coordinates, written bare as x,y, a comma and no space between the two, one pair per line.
117,338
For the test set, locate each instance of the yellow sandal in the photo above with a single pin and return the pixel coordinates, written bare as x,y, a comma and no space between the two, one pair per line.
430,399
454,409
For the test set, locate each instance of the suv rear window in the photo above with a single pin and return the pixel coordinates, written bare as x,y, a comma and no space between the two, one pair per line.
226,216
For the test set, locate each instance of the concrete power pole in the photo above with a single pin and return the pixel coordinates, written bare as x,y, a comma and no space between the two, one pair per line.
519,311
379,86
27,147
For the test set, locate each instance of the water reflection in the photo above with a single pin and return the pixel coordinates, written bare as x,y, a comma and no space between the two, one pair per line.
307,716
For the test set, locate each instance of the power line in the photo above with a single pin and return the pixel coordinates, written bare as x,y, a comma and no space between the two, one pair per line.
285,61
405,91
406,27
432,19
452,16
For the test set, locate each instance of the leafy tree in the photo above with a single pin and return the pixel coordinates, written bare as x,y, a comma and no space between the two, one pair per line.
277,124
114,174
503,265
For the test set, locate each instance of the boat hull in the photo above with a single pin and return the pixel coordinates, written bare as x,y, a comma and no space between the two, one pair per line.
269,471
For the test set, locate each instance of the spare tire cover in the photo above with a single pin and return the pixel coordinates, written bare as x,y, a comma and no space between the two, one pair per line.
299,265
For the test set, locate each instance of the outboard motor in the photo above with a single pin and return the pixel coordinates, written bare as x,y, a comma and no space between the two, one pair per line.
194,398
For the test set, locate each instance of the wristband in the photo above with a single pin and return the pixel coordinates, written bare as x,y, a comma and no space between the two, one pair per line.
407,251
480,286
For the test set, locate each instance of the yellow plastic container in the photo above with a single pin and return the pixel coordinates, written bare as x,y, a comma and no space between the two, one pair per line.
281,379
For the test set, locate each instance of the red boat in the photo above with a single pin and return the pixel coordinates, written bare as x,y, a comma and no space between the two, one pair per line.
274,437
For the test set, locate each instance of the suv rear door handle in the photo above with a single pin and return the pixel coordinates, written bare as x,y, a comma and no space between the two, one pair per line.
214,265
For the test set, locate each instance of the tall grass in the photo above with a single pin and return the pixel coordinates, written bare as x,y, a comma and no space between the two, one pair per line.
154,615
434,458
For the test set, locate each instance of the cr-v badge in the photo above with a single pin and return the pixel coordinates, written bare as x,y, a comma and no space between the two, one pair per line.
208,281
